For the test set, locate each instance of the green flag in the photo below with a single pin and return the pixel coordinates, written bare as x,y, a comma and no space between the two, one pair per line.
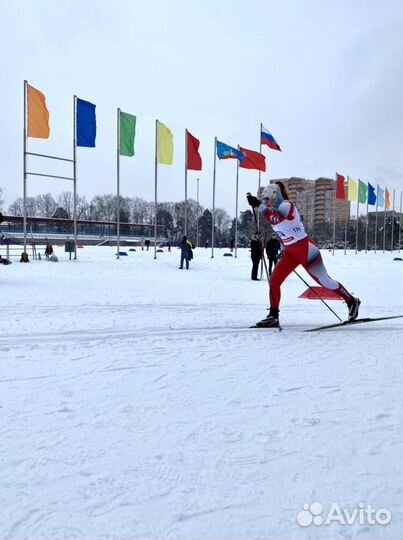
127,134
362,192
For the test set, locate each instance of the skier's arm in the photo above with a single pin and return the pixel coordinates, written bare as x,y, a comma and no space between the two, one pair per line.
272,216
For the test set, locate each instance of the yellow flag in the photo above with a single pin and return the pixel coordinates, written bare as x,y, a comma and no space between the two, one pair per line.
165,145
387,199
38,114
352,190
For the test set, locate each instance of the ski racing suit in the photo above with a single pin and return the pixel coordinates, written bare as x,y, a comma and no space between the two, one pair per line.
298,249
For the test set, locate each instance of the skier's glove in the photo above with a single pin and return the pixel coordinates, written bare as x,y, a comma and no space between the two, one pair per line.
253,201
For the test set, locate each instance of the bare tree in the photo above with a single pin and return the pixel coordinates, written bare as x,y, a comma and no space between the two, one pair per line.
45,205
223,225
31,206
82,208
138,210
66,201
17,208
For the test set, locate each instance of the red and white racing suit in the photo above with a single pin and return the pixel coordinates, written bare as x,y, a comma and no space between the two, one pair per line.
298,249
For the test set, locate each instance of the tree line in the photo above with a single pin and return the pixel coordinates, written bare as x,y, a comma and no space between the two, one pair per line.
170,216
171,219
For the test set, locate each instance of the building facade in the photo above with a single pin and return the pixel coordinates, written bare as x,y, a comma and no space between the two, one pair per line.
316,200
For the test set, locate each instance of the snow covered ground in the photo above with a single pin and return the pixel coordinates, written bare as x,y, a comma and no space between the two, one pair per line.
135,403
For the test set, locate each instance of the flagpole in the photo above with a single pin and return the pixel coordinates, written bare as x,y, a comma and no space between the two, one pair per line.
366,222
393,222
75,174
197,221
376,218
155,194
334,212
400,221
24,188
236,205
260,172
347,219
260,151
358,209
384,222
118,182
213,209
186,182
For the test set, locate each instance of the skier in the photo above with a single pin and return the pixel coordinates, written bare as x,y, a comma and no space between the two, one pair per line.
283,216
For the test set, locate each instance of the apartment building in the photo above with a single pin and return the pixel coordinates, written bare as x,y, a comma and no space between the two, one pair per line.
316,200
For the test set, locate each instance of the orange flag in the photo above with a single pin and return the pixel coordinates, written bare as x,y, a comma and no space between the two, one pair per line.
38,114
387,197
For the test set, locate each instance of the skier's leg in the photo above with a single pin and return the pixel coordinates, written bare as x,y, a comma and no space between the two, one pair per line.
317,270
280,273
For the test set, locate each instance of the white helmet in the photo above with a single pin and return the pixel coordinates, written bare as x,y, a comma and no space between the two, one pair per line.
269,191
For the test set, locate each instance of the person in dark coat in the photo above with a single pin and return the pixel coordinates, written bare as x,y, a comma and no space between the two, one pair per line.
273,249
255,254
48,250
186,252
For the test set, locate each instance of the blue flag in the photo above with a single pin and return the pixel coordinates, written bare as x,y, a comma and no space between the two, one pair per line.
86,124
381,196
228,152
371,194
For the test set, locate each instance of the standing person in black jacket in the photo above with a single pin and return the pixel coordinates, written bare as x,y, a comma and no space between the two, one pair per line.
186,252
255,254
273,249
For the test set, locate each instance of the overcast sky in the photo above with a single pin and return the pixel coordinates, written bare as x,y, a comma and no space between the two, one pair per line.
325,77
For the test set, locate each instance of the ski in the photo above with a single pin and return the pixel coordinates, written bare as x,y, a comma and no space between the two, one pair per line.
278,328
348,323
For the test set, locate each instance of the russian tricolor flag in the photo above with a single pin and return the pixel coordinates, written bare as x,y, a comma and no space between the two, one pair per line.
267,138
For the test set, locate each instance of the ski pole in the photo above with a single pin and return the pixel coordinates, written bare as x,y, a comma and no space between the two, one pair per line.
263,254
313,290
300,277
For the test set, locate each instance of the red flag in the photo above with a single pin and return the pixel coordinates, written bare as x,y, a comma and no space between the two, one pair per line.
253,160
194,160
340,191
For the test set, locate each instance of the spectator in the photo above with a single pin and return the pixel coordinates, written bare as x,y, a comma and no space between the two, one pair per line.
255,254
273,249
147,243
186,252
48,250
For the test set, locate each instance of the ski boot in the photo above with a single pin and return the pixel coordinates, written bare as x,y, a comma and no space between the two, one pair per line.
271,321
353,308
